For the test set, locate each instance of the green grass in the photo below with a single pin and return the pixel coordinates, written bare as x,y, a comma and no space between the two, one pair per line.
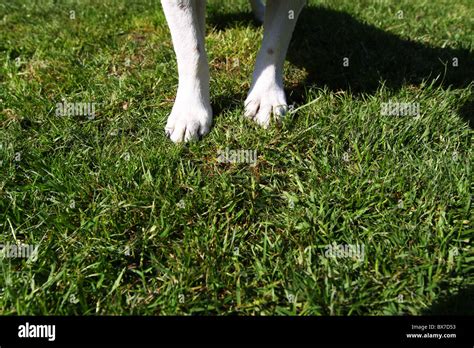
128,223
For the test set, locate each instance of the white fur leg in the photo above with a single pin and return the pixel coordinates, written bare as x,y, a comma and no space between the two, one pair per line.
266,96
191,116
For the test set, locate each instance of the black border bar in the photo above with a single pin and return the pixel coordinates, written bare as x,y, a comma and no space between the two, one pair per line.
224,330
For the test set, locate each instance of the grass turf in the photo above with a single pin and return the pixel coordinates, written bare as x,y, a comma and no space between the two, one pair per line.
128,223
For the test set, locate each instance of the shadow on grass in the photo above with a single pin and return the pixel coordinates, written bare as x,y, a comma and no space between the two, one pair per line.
461,303
323,38
466,111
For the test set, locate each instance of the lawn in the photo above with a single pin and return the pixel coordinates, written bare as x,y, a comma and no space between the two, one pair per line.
348,210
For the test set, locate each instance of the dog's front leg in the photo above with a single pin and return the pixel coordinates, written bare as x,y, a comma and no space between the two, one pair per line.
266,96
191,115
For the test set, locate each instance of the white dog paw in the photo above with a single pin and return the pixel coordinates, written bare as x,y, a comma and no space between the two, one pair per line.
188,121
264,103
